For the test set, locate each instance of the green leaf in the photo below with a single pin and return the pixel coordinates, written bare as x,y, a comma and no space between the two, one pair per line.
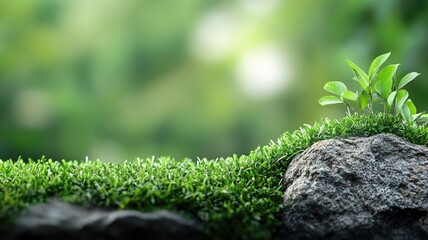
411,107
406,79
419,117
349,96
388,71
402,96
363,101
362,77
405,112
335,87
416,117
424,117
390,101
327,100
377,63
383,89
384,80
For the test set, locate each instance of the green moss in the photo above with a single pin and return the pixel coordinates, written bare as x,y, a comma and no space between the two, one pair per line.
237,197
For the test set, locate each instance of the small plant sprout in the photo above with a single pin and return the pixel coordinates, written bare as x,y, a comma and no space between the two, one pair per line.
380,91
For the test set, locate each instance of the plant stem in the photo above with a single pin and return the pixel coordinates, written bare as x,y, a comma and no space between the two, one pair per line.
349,107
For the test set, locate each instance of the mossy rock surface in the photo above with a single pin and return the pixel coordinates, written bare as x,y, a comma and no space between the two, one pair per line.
235,197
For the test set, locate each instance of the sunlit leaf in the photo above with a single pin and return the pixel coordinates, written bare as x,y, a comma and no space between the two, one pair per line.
350,96
384,80
406,79
401,98
411,107
363,101
377,63
335,87
363,78
390,101
424,117
327,100
405,112
382,89
418,117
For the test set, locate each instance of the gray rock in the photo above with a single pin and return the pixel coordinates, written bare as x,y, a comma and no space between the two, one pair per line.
358,188
59,220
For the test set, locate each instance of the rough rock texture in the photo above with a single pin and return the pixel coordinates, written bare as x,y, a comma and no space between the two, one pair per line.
58,220
358,188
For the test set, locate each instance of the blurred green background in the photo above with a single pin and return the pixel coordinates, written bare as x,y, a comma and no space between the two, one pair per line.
120,79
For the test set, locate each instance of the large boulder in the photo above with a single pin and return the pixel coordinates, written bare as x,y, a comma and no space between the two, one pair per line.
358,188
59,220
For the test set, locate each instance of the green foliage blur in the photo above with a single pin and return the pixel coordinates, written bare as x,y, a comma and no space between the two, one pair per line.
120,79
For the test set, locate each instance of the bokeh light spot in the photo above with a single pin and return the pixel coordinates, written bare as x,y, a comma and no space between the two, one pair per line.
263,72
215,35
260,7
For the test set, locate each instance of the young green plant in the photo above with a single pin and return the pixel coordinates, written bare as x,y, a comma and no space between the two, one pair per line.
379,87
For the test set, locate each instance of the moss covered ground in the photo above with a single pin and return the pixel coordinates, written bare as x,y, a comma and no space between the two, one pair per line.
237,197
